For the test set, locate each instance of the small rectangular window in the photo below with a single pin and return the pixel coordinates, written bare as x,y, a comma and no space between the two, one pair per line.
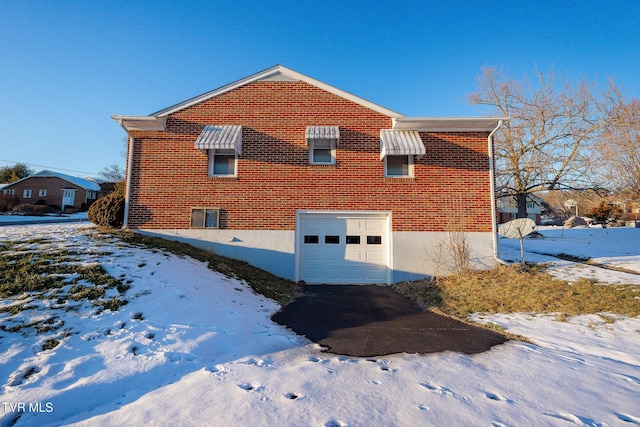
331,240
311,239
91,194
374,240
26,194
398,166
222,163
9,192
322,151
204,218
353,240
42,193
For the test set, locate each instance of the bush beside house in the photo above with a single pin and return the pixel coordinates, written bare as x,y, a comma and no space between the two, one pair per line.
109,210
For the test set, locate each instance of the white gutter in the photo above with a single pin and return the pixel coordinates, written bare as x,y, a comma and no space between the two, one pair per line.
492,187
127,192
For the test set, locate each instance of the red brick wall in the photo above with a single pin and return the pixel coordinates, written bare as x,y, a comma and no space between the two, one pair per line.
274,178
54,188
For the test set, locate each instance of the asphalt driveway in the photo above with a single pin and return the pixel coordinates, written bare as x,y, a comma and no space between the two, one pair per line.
370,320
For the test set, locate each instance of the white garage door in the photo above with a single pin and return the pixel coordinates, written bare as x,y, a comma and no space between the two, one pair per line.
343,248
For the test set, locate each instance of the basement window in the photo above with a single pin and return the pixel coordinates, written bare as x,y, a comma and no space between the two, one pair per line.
205,218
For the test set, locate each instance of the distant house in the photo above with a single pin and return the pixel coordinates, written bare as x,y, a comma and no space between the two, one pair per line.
55,189
310,182
508,209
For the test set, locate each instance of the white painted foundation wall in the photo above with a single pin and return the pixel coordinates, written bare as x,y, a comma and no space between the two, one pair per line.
414,255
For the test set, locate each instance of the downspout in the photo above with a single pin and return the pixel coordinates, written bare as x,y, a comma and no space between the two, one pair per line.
492,189
127,192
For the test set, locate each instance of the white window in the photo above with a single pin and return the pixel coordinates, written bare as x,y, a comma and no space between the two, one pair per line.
91,194
42,193
322,151
205,218
398,166
222,162
26,194
9,192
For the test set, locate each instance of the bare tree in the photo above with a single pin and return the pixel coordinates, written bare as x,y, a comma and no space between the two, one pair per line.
549,142
619,150
112,173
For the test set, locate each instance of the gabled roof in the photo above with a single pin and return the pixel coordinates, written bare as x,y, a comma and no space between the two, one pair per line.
277,73
80,182
157,120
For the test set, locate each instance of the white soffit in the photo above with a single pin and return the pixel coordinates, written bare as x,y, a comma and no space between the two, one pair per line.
220,138
400,143
322,132
130,123
448,124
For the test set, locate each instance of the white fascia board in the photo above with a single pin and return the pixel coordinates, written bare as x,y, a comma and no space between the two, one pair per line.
130,123
448,124
278,69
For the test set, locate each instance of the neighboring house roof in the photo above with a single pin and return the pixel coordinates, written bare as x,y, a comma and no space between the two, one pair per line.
157,121
4,185
80,182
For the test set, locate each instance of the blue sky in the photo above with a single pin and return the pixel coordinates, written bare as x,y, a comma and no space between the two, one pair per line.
67,66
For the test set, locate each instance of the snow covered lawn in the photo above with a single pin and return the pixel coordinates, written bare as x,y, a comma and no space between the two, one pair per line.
193,347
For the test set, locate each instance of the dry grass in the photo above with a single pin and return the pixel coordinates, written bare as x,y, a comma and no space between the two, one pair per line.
509,289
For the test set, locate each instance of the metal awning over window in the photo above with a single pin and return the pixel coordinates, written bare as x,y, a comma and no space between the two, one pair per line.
323,132
220,138
401,143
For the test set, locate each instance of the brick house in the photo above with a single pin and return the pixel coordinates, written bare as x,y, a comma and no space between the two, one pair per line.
508,208
54,189
310,182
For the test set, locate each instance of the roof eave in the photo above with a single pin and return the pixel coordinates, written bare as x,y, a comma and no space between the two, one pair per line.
448,124
150,123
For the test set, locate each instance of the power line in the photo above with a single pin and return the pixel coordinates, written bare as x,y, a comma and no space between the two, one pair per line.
50,167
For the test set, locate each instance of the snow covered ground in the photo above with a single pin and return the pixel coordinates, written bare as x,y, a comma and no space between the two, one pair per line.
193,347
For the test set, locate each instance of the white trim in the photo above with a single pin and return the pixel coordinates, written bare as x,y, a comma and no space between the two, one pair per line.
448,124
129,123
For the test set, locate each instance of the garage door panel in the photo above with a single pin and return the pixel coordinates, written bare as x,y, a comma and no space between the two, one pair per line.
360,256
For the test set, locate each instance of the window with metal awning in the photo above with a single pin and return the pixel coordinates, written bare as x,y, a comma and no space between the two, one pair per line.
322,142
322,132
223,145
401,143
220,138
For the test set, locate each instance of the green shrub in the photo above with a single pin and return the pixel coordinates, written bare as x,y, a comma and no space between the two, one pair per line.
108,211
